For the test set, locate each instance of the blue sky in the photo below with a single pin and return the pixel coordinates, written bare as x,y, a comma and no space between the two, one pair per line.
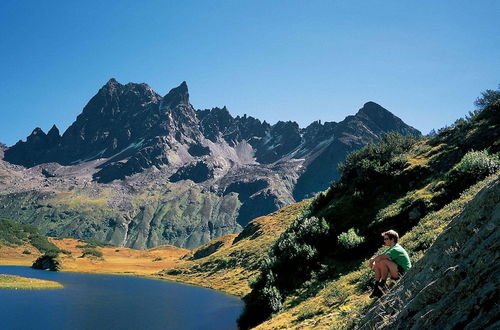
425,61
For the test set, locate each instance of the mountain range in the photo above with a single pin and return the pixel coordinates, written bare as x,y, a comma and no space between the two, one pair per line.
137,169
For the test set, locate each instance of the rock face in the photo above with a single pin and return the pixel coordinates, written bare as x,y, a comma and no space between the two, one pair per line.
131,149
455,285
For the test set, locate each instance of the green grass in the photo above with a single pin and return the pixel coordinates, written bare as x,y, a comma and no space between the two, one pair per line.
23,283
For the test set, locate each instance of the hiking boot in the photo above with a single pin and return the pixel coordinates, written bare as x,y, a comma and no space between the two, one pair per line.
381,284
379,289
377,292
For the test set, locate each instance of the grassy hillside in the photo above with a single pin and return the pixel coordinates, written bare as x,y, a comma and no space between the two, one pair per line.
117,215
230,262
339,302
414,185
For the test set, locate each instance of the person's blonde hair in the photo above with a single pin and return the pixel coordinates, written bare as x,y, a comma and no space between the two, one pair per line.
392,234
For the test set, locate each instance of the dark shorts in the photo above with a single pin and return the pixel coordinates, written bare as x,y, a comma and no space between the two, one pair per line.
401,270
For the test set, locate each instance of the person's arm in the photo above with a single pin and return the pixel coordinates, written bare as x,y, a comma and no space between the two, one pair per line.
378,259
382,257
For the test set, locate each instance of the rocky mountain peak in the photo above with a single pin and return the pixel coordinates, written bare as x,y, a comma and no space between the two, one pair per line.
38,131
371,108
111,86
112,82
381,119
54,131
176,96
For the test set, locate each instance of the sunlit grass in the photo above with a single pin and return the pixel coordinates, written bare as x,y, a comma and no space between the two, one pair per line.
24,283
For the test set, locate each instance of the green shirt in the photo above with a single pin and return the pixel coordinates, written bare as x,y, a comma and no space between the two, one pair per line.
399,256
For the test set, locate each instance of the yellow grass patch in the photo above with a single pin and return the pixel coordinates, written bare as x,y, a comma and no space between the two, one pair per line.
25,283
422,154
118,260
23,255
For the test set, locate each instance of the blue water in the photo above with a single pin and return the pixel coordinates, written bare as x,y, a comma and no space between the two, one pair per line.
90,301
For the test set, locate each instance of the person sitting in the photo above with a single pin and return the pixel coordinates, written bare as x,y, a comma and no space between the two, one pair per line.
394,262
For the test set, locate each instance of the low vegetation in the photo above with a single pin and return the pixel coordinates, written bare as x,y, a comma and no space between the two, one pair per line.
88,252
22,283
14,234
49,261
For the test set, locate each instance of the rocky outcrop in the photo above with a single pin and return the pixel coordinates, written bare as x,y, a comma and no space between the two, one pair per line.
455,285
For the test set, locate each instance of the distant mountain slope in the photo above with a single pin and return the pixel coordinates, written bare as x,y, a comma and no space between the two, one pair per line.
139,169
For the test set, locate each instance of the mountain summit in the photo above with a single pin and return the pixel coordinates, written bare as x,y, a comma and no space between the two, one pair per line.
129,137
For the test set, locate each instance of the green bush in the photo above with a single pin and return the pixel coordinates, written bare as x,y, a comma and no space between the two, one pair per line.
473,167
380,157
478,164
350,239
292,260
47,261
92,253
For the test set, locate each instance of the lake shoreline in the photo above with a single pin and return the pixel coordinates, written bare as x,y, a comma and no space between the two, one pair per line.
25,263
101,301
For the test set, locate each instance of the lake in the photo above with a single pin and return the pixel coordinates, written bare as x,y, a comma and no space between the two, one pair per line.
92,301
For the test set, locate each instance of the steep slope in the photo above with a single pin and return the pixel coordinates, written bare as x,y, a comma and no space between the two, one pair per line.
455,285
396,183
342,302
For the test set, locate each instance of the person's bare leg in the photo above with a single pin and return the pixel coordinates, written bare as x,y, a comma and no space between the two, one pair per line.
376,269
388,267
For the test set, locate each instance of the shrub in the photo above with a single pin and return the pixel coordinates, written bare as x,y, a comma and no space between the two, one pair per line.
272,295
26,252
478,164
48,261
42,243
473,167
378,157
298,245
92,243
350,239
292,260
92,253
